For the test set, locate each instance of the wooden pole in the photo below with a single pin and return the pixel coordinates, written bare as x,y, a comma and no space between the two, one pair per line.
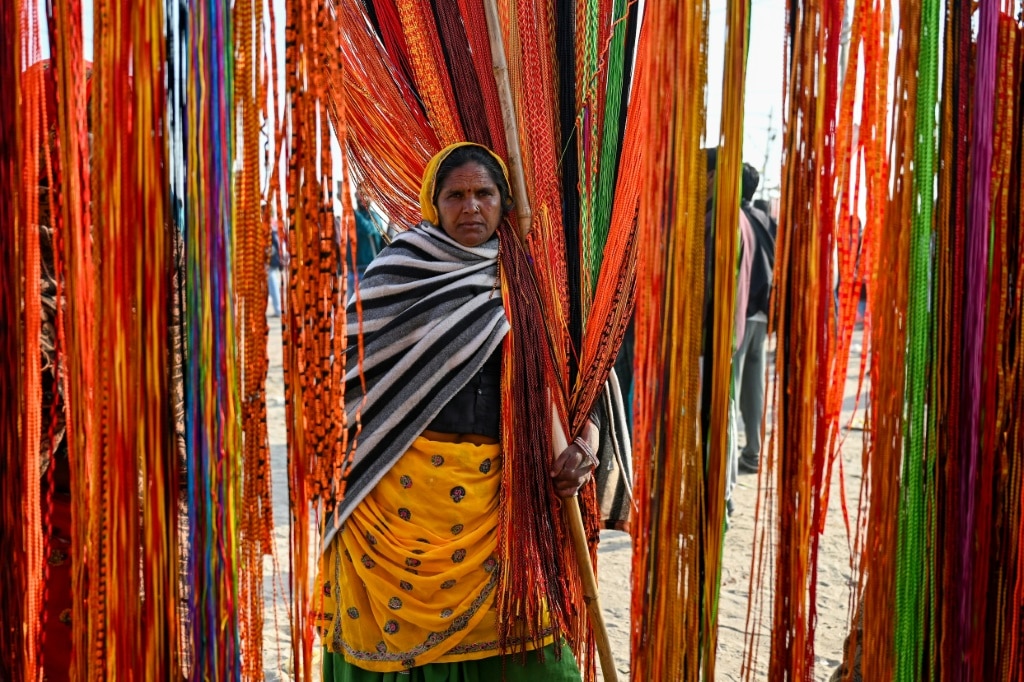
571,507
524,213
573,517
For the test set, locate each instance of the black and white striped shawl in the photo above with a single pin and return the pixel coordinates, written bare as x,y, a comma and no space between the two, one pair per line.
431,316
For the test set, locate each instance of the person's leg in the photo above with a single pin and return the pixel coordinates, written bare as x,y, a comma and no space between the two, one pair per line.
732,455
752,390
274,290
731,459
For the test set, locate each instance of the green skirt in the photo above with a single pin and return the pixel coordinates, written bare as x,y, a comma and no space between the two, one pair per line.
493,669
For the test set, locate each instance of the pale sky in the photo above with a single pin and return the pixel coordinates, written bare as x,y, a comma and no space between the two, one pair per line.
763,96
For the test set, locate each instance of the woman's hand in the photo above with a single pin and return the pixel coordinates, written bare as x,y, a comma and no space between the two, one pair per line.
574,466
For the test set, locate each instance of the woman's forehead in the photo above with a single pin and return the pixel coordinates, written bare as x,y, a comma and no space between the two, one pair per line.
469,174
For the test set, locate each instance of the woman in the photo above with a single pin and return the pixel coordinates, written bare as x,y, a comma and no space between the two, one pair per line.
437,567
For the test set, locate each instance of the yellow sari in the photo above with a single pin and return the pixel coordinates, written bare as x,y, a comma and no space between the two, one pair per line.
410,579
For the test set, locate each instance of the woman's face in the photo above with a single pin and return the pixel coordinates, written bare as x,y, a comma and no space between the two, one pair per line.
469,205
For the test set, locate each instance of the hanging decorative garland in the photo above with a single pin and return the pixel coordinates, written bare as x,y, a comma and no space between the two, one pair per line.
157,154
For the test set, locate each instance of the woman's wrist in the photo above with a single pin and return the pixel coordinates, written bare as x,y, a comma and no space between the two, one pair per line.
588,441
592,432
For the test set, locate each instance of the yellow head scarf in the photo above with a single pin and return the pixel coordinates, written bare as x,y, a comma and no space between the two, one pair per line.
427,189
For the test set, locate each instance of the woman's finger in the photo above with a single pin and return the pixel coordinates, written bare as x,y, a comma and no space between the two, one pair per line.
581,469
568,461
568,485
567,491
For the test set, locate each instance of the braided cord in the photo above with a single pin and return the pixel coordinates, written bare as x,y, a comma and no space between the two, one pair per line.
610,139
977,265
915,545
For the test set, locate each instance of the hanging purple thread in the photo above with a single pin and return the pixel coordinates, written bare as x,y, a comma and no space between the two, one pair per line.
974,304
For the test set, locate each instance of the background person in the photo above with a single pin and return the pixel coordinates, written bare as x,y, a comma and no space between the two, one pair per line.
368,237
275,263
748,362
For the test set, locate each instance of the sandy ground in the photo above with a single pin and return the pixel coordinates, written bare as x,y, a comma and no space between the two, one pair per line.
614,559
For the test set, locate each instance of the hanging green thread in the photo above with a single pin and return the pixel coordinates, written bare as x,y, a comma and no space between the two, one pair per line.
914,548
608,160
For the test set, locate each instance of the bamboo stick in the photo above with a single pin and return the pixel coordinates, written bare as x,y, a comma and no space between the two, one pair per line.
571,510
524,213
571,507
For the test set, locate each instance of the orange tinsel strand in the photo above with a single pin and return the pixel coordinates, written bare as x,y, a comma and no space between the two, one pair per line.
670,550
31,548
24,126
887,295
390,145
78,321
313,390
297,31
529,44
131,410
795,467
718,373
252,247
148,261
429,72
12,399
868,35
